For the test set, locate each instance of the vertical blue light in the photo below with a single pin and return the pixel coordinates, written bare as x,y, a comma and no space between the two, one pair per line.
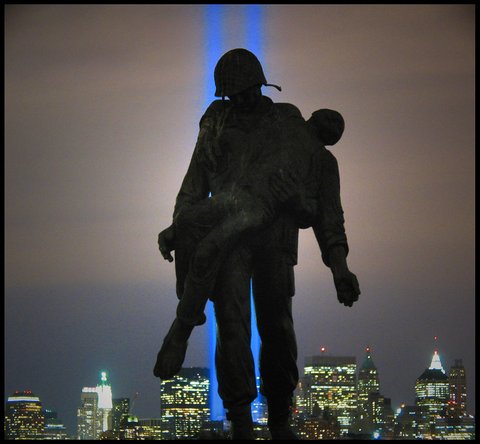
254,29
253,42
214,48
213,51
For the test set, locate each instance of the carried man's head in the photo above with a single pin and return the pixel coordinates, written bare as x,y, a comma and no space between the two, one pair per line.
328,125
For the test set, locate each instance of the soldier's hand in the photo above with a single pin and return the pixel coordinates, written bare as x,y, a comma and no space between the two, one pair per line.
286,186
346,284
166,242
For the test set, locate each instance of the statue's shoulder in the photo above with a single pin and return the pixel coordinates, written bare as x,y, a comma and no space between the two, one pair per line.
288,111
216,108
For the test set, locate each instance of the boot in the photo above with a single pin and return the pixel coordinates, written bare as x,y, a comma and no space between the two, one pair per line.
172,354
279,411
241,422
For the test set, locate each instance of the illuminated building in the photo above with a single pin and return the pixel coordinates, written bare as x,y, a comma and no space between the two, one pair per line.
332,387
259,408
460,428
129,427
184,403
380,415
367,384
432,395
120,408
375,414
407,422
89,418
24,417
105,404
318,425
133,428
54,428
149,428
302,402
95,413
457,380
368,381
456,424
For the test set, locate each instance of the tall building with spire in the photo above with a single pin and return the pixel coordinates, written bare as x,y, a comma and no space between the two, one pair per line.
432,395
105,405
368,382
374,414
95,412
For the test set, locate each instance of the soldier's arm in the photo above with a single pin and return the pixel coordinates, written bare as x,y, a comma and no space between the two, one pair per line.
329,230
329,224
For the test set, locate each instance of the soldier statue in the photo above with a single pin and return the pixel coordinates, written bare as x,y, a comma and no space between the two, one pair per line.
259,173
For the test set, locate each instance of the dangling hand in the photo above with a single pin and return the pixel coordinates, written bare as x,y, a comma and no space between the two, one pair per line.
346,284
166,242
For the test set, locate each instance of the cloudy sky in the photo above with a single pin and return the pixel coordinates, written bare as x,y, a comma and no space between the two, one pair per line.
102,109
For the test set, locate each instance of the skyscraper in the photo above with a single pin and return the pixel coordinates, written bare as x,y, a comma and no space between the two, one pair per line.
432,394
368,380
120,408
89,418
332,387
457,423
184,403
54,428
149,428
105,405
95,413
368,383
457,380
407,422
24,418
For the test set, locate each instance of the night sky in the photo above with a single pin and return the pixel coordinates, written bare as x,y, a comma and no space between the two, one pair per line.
102,109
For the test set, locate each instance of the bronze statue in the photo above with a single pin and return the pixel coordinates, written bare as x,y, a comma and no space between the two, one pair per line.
259,172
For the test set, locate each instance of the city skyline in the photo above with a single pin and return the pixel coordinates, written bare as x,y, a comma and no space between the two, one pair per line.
434,362
102,104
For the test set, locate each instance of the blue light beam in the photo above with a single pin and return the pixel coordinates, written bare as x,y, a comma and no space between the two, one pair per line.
213,51
215,37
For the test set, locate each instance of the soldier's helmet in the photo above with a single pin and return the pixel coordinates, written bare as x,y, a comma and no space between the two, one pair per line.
237,70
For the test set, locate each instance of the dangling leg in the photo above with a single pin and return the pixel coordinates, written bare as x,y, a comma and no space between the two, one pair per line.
172,354
197,288
220,236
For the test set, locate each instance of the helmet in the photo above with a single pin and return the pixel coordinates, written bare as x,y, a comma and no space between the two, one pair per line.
237,70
